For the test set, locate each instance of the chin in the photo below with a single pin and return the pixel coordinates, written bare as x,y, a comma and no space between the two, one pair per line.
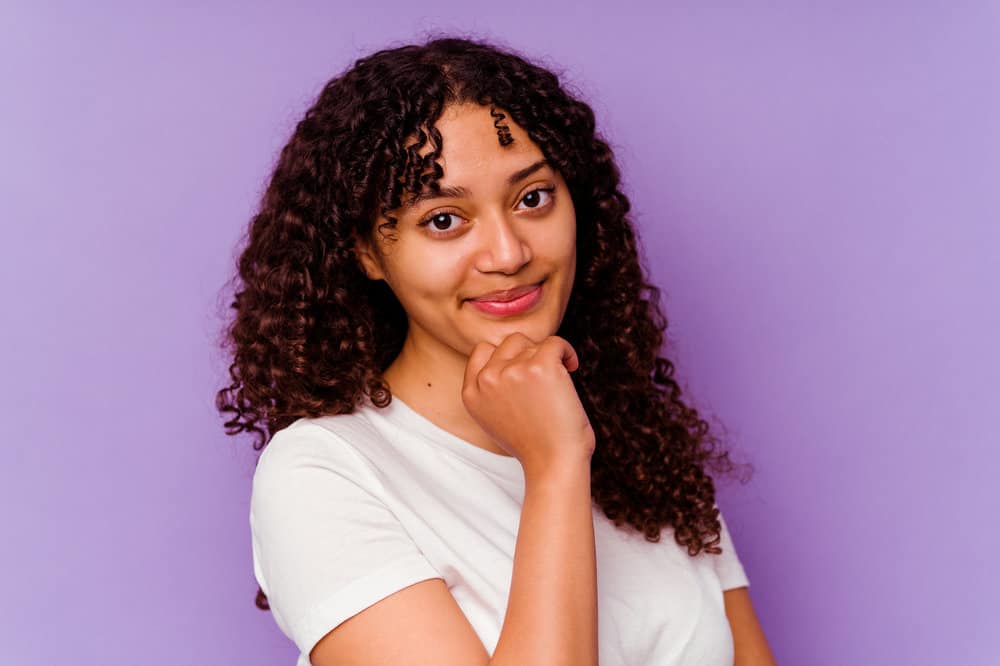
536,330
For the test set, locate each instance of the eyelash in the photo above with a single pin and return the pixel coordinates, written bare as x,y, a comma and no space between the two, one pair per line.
427,220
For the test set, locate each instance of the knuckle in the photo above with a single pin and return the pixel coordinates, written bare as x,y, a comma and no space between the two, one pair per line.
517,339
512,372
489,377
555,341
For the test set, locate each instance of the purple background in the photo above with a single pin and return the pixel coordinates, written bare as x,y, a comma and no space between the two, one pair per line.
817,191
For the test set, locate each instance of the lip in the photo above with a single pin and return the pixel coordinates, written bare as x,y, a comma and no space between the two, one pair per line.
515,301
505,295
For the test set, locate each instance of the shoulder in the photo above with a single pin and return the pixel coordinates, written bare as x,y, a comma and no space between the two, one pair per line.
727,563
333,436
317,446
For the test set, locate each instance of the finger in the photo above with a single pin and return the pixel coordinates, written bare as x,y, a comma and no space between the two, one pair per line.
477,359
562,349
512,346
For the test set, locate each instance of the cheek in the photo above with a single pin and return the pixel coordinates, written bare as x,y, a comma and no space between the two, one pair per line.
560,246
430,277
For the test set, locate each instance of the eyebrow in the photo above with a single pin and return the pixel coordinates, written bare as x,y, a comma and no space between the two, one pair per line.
458,191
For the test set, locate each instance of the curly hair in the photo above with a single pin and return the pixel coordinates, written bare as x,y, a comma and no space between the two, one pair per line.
312,334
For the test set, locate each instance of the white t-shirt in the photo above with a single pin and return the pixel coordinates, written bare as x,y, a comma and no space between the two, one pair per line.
348,509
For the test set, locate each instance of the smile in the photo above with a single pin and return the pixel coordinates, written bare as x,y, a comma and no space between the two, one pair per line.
514,306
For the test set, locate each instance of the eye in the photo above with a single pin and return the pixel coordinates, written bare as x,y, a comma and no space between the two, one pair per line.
534,198
440,222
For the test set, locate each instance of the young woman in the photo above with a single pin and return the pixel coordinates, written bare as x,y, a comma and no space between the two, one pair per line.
443,334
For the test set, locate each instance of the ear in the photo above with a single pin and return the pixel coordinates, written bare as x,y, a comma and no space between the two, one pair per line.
367,258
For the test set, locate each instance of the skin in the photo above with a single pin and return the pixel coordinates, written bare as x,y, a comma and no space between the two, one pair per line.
751,647
498,235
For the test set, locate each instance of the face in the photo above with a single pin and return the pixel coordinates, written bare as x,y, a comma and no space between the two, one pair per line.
504,221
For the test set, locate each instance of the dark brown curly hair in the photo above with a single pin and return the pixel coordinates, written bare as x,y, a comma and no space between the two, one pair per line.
312,334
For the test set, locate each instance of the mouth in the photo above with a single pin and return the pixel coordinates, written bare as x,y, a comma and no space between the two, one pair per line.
509,301
506,295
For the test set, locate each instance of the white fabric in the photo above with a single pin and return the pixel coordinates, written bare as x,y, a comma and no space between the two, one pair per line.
348,509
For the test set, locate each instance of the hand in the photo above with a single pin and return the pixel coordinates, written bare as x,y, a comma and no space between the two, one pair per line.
520,392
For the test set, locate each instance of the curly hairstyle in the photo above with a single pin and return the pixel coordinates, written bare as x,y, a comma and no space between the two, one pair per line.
312,334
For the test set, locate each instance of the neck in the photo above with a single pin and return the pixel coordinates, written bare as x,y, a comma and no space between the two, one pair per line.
429,379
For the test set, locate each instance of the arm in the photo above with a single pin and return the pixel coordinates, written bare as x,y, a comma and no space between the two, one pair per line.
551,612
521,393
748,636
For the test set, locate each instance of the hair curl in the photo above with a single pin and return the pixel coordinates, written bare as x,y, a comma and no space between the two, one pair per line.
312,334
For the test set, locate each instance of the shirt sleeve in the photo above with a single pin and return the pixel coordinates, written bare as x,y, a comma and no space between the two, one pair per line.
325,547
727,564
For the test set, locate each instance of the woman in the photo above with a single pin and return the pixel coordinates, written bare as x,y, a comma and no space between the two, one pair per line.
445,338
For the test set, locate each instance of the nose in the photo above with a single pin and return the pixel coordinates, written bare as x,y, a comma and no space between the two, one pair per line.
505,250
